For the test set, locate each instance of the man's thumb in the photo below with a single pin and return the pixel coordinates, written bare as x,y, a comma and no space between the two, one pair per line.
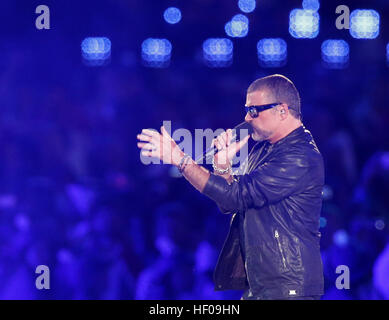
241,143
164,132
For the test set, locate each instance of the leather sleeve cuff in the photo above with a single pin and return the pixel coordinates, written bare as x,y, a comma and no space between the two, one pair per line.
216,188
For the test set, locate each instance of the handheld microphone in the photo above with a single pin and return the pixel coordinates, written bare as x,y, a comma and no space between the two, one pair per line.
212,150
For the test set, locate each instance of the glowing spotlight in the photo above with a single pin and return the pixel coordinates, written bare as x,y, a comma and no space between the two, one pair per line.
156,53
327,192
387,54
322,222
218,52
341,238
96,51
247,6
313,5
238,27
174,173
364,24
228,29
304,23
379,224
272,52
335,54
172,15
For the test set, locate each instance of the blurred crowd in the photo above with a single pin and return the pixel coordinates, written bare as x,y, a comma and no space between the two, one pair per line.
75,196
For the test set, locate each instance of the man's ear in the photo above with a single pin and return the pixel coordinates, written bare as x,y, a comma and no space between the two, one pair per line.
284,111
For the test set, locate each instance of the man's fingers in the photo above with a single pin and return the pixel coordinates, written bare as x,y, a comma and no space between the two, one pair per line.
229,136
149,153
218,144
156,140
150,132
223,139
144,137
146,146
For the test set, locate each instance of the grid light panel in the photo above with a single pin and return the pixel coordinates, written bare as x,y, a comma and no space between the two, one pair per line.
335,54
304,23
218,52
156,53
364,24
96,51
272,52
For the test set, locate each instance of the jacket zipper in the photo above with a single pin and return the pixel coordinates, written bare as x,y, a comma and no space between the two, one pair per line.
277,236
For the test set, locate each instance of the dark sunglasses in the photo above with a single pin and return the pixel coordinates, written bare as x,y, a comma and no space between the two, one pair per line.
255,110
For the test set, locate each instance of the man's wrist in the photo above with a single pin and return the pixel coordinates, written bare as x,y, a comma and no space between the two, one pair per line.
178,158
221,170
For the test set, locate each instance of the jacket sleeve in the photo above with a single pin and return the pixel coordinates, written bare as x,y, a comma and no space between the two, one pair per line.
269,183
220,205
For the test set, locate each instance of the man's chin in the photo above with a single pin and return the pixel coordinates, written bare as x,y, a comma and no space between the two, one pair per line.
256,137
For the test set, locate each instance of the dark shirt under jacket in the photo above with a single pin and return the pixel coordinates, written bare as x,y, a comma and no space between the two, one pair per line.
273,245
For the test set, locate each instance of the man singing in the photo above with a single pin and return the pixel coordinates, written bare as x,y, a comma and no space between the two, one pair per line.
272,250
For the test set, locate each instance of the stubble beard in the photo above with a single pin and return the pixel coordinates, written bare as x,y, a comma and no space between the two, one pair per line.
260,135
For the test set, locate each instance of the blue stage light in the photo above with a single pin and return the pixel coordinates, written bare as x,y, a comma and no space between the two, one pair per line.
174,173
341,238
172,15
156,53
327,192
228,30
364,24
387,54
238,27
379,224
218,52
272,52
304,23
322,222
313,5
335,53
247,6
96,51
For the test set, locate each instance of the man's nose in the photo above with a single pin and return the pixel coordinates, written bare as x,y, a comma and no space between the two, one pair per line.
248,118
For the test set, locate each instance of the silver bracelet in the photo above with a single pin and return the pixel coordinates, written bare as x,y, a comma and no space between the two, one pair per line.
220,171
182,162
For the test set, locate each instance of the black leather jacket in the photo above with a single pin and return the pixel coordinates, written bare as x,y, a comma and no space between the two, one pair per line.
273,246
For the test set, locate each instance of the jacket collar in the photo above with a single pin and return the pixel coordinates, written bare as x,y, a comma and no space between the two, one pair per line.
293,136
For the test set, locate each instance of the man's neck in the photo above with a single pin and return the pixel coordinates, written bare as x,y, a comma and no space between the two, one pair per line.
283,133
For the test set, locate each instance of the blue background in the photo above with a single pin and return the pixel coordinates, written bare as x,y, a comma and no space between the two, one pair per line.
74,194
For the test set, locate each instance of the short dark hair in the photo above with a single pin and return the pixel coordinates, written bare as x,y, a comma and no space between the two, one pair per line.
282,89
